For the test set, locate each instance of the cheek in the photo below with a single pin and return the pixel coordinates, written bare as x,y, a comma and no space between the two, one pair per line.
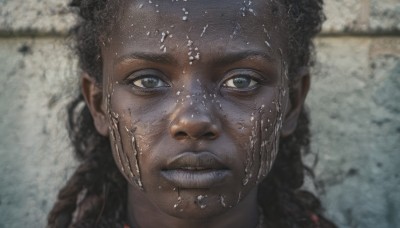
263,138
132,132
125,148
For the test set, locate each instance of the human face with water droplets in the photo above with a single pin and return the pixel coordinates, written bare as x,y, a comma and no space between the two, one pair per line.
194,94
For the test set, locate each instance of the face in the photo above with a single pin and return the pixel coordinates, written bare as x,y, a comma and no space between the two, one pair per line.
195,95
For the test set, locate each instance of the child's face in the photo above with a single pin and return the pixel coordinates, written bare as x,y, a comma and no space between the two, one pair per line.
195,93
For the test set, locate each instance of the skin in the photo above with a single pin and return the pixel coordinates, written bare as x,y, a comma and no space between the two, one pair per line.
205,93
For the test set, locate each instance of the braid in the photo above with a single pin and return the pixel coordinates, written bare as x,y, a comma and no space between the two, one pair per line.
97,180
283,204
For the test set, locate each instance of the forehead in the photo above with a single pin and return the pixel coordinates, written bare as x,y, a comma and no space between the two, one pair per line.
200,11
223,24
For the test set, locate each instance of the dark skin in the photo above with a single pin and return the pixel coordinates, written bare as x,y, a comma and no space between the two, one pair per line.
194,105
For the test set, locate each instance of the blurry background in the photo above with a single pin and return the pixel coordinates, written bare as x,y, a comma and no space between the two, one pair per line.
354,102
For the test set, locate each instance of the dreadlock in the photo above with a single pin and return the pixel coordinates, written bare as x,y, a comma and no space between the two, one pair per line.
95,195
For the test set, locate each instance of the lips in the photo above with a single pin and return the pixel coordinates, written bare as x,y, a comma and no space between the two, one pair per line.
195,170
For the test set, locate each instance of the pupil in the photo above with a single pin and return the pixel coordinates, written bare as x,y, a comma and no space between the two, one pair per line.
241,82
149,82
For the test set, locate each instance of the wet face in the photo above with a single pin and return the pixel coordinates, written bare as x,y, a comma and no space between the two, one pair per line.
195,94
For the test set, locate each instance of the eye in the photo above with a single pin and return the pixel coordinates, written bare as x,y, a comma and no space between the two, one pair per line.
146,79
240,82
149,82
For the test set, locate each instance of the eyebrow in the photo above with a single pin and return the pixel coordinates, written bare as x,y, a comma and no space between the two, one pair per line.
163,58
237,56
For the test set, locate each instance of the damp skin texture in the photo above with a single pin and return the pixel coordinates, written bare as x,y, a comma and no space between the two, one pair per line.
195,78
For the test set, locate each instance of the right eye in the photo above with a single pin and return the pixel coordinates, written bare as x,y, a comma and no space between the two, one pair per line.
149,82
147,79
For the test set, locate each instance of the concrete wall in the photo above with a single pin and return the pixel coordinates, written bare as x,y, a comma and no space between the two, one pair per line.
354,102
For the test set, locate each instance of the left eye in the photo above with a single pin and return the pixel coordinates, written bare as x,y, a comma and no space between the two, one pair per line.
149,82
240,82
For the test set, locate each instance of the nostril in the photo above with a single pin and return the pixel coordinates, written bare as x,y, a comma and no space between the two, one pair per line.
209,135
180,135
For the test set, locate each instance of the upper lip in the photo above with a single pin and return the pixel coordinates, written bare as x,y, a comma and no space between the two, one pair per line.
195,161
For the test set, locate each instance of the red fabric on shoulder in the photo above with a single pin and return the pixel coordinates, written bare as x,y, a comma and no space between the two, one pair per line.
315,219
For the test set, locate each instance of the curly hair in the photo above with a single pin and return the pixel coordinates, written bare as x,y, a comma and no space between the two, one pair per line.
95,195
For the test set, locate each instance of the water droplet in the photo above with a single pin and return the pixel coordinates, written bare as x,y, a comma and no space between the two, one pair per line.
204,30
222,200
200,201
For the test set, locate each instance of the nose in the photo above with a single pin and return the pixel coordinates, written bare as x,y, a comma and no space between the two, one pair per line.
194,122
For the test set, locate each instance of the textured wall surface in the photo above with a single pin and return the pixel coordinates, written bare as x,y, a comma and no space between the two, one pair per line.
354,103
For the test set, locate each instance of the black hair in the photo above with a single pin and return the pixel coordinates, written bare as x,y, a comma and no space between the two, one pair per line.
95,195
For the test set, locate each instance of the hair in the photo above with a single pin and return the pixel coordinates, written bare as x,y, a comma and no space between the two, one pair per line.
95,195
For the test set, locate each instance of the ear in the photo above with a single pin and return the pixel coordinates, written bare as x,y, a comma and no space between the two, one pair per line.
93,94
297,95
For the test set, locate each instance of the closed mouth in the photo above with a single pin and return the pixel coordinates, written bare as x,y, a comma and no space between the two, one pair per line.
195,170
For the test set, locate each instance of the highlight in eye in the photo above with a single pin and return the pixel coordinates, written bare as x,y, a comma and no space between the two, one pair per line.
147,79
240,82
242,79
149,82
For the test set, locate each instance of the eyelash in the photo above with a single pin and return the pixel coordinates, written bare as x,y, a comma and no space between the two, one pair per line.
253,78
137,77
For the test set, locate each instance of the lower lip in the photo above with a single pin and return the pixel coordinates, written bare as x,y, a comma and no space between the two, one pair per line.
195,179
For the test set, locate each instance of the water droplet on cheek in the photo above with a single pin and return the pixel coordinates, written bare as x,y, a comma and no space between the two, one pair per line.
239,198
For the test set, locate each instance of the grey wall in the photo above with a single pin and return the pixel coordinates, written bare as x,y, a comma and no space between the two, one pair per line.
354,102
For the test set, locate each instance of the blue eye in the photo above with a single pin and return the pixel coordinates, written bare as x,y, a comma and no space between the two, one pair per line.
149,82
240,82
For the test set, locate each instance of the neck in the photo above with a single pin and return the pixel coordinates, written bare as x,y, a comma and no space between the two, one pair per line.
143,213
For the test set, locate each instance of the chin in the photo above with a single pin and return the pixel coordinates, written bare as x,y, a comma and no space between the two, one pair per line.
200,203
197,206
